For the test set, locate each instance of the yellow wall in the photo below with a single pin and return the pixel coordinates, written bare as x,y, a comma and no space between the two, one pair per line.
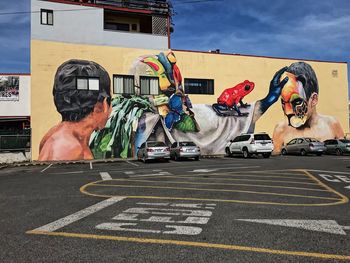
226,70
229,70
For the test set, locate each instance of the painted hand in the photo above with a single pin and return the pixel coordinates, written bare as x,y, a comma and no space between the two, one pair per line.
275,90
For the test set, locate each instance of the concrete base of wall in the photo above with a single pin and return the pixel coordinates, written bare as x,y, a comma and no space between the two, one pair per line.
15,157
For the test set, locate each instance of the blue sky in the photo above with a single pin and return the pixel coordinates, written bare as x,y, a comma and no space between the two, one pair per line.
305,29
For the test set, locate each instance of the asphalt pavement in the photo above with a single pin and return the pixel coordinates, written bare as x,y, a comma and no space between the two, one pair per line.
281,209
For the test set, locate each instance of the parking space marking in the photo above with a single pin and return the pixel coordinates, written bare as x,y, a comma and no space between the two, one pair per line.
134,164
231,179
195,244
214,190
334,198
43,170
91,166
79,215
223,184
105,176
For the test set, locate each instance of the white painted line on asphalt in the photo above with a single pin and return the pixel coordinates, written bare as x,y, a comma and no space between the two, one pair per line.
326,226
134,164
105,176
145,175
91,166
43,170
129,172
324,171
215,169
79,215
347,187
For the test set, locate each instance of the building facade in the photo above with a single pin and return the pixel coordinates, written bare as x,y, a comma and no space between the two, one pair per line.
103,81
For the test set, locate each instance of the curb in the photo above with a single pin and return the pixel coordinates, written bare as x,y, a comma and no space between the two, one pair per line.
114,160
3,166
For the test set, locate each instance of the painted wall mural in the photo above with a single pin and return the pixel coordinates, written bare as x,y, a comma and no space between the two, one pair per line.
9,88
96,126
299,98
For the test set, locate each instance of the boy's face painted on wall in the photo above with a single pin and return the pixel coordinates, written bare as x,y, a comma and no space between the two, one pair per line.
294,101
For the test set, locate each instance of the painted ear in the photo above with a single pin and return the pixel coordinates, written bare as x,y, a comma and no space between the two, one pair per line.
106,105
314,99
302,79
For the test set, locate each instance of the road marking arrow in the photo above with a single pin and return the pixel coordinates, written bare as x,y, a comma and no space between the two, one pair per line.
326,226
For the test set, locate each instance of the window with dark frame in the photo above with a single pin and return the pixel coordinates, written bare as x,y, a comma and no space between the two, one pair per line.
87,83
149,85
46,17
123,84
199,86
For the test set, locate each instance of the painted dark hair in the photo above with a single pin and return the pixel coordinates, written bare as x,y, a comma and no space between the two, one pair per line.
305,73
74,104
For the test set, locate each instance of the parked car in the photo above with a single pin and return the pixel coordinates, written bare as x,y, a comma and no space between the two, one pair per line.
153,150
303,146
249,144
339,147
180,150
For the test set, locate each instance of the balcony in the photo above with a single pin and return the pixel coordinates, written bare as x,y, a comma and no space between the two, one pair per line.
157,7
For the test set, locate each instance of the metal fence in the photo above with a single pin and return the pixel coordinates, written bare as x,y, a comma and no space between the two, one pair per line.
17,142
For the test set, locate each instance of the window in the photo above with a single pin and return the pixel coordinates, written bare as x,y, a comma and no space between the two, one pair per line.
123,84
292,142
87,83
187,144
149,85
46,17
300,141
117,26
245,138
261,137
199,86
156,144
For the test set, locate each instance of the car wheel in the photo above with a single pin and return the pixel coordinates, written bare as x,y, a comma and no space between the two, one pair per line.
319,154
197,158
338,152
284,152
228,152
246,153
302,152
266,155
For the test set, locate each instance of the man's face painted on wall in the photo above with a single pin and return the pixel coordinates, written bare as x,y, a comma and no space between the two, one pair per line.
294,101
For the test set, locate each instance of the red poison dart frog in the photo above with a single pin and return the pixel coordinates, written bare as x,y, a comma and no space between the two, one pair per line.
230,98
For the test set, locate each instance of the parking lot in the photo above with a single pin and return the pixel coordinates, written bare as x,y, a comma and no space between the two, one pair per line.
282,209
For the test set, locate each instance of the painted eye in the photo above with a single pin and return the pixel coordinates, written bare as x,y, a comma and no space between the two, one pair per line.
297,102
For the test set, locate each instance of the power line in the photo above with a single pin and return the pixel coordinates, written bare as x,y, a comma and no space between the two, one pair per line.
89,9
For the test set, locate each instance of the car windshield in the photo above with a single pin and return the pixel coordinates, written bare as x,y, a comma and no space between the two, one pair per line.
156,144
258,137
311,140
345,141
187,144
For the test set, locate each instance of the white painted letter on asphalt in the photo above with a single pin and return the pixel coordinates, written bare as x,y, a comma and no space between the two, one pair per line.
328,178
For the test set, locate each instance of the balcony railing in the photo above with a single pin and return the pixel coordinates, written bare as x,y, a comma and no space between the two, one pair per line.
161,7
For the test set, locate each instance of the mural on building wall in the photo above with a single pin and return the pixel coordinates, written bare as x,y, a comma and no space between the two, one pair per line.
9,88
82,96
299,98
94,126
